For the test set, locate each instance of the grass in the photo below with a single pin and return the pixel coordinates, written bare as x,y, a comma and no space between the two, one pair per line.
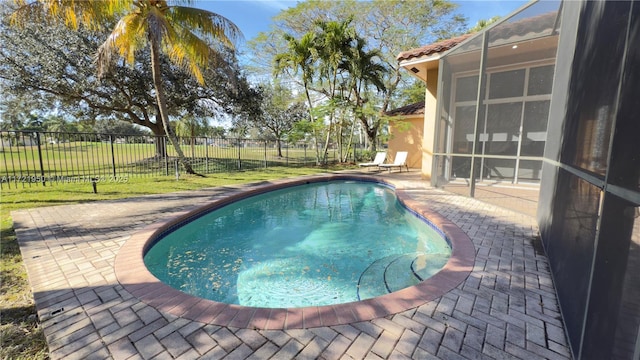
99,158
21,337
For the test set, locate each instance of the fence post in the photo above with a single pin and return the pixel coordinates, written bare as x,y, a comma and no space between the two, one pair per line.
239,159
265,154
166,155
113,156
206,155
40,158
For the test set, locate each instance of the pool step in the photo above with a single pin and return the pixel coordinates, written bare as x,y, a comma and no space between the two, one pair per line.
371,283
425,266
398,274
395,272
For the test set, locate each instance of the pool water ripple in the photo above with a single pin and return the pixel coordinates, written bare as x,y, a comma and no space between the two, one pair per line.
307,245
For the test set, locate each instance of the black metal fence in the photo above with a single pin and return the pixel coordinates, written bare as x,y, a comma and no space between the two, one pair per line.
32,157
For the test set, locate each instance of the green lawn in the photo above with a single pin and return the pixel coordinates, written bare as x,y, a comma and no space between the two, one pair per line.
20,335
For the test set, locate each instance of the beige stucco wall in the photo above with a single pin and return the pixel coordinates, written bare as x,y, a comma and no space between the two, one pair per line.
430,112
406,135
416,134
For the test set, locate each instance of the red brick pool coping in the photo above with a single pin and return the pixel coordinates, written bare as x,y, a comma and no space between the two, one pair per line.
135,278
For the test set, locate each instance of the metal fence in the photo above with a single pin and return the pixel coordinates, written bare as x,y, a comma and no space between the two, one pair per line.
32,157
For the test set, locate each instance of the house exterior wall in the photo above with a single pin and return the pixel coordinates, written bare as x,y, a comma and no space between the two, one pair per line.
406,135
430,113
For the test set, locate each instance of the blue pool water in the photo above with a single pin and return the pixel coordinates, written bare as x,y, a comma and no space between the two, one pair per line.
310,245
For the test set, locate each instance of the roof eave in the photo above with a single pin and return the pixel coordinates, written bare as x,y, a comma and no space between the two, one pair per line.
418,66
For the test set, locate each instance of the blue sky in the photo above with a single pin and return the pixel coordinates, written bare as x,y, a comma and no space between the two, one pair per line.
254,16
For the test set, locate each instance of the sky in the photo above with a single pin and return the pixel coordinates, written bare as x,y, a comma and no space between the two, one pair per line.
254,16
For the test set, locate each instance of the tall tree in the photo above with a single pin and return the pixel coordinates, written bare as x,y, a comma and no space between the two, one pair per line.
396,25
344,73
184,34
299,58
49,66
364,71
334,43
390,26
280,112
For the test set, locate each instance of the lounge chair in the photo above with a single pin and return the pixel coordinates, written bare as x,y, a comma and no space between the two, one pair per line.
379,159
399,162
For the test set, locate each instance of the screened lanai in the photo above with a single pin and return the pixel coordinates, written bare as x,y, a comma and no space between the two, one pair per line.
493,100
552,108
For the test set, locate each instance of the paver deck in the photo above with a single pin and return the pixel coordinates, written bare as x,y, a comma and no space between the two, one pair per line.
506,308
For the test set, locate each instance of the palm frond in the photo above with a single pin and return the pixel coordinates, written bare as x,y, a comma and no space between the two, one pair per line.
188,51
127,37
72,13
208,25
26,13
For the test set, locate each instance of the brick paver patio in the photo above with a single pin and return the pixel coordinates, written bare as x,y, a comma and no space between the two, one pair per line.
506,308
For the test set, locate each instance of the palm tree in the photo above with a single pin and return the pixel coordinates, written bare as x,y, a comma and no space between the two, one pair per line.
364,71
335,41
185,35
301,56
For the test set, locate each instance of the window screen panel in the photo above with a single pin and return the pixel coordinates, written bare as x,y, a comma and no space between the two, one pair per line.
540,80
503,128
507,84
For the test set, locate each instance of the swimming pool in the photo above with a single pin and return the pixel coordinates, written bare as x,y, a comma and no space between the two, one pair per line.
314,244
135,278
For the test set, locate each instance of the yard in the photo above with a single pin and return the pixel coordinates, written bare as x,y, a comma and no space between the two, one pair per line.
20,335
24,161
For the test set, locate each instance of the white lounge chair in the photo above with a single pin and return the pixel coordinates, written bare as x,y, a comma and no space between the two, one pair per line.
378,160
399,162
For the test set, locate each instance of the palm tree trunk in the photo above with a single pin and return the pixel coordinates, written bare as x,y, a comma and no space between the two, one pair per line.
315,131
162,105
350,143
325,149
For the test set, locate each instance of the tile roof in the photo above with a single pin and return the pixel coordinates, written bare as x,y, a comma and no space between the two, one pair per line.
440,46
508,31
543,24
411,109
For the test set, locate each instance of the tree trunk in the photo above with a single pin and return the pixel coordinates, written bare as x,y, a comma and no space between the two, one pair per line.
161,146
325,149
350,143
162,105
371,132
315,131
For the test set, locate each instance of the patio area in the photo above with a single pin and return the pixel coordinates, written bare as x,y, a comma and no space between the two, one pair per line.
506,308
